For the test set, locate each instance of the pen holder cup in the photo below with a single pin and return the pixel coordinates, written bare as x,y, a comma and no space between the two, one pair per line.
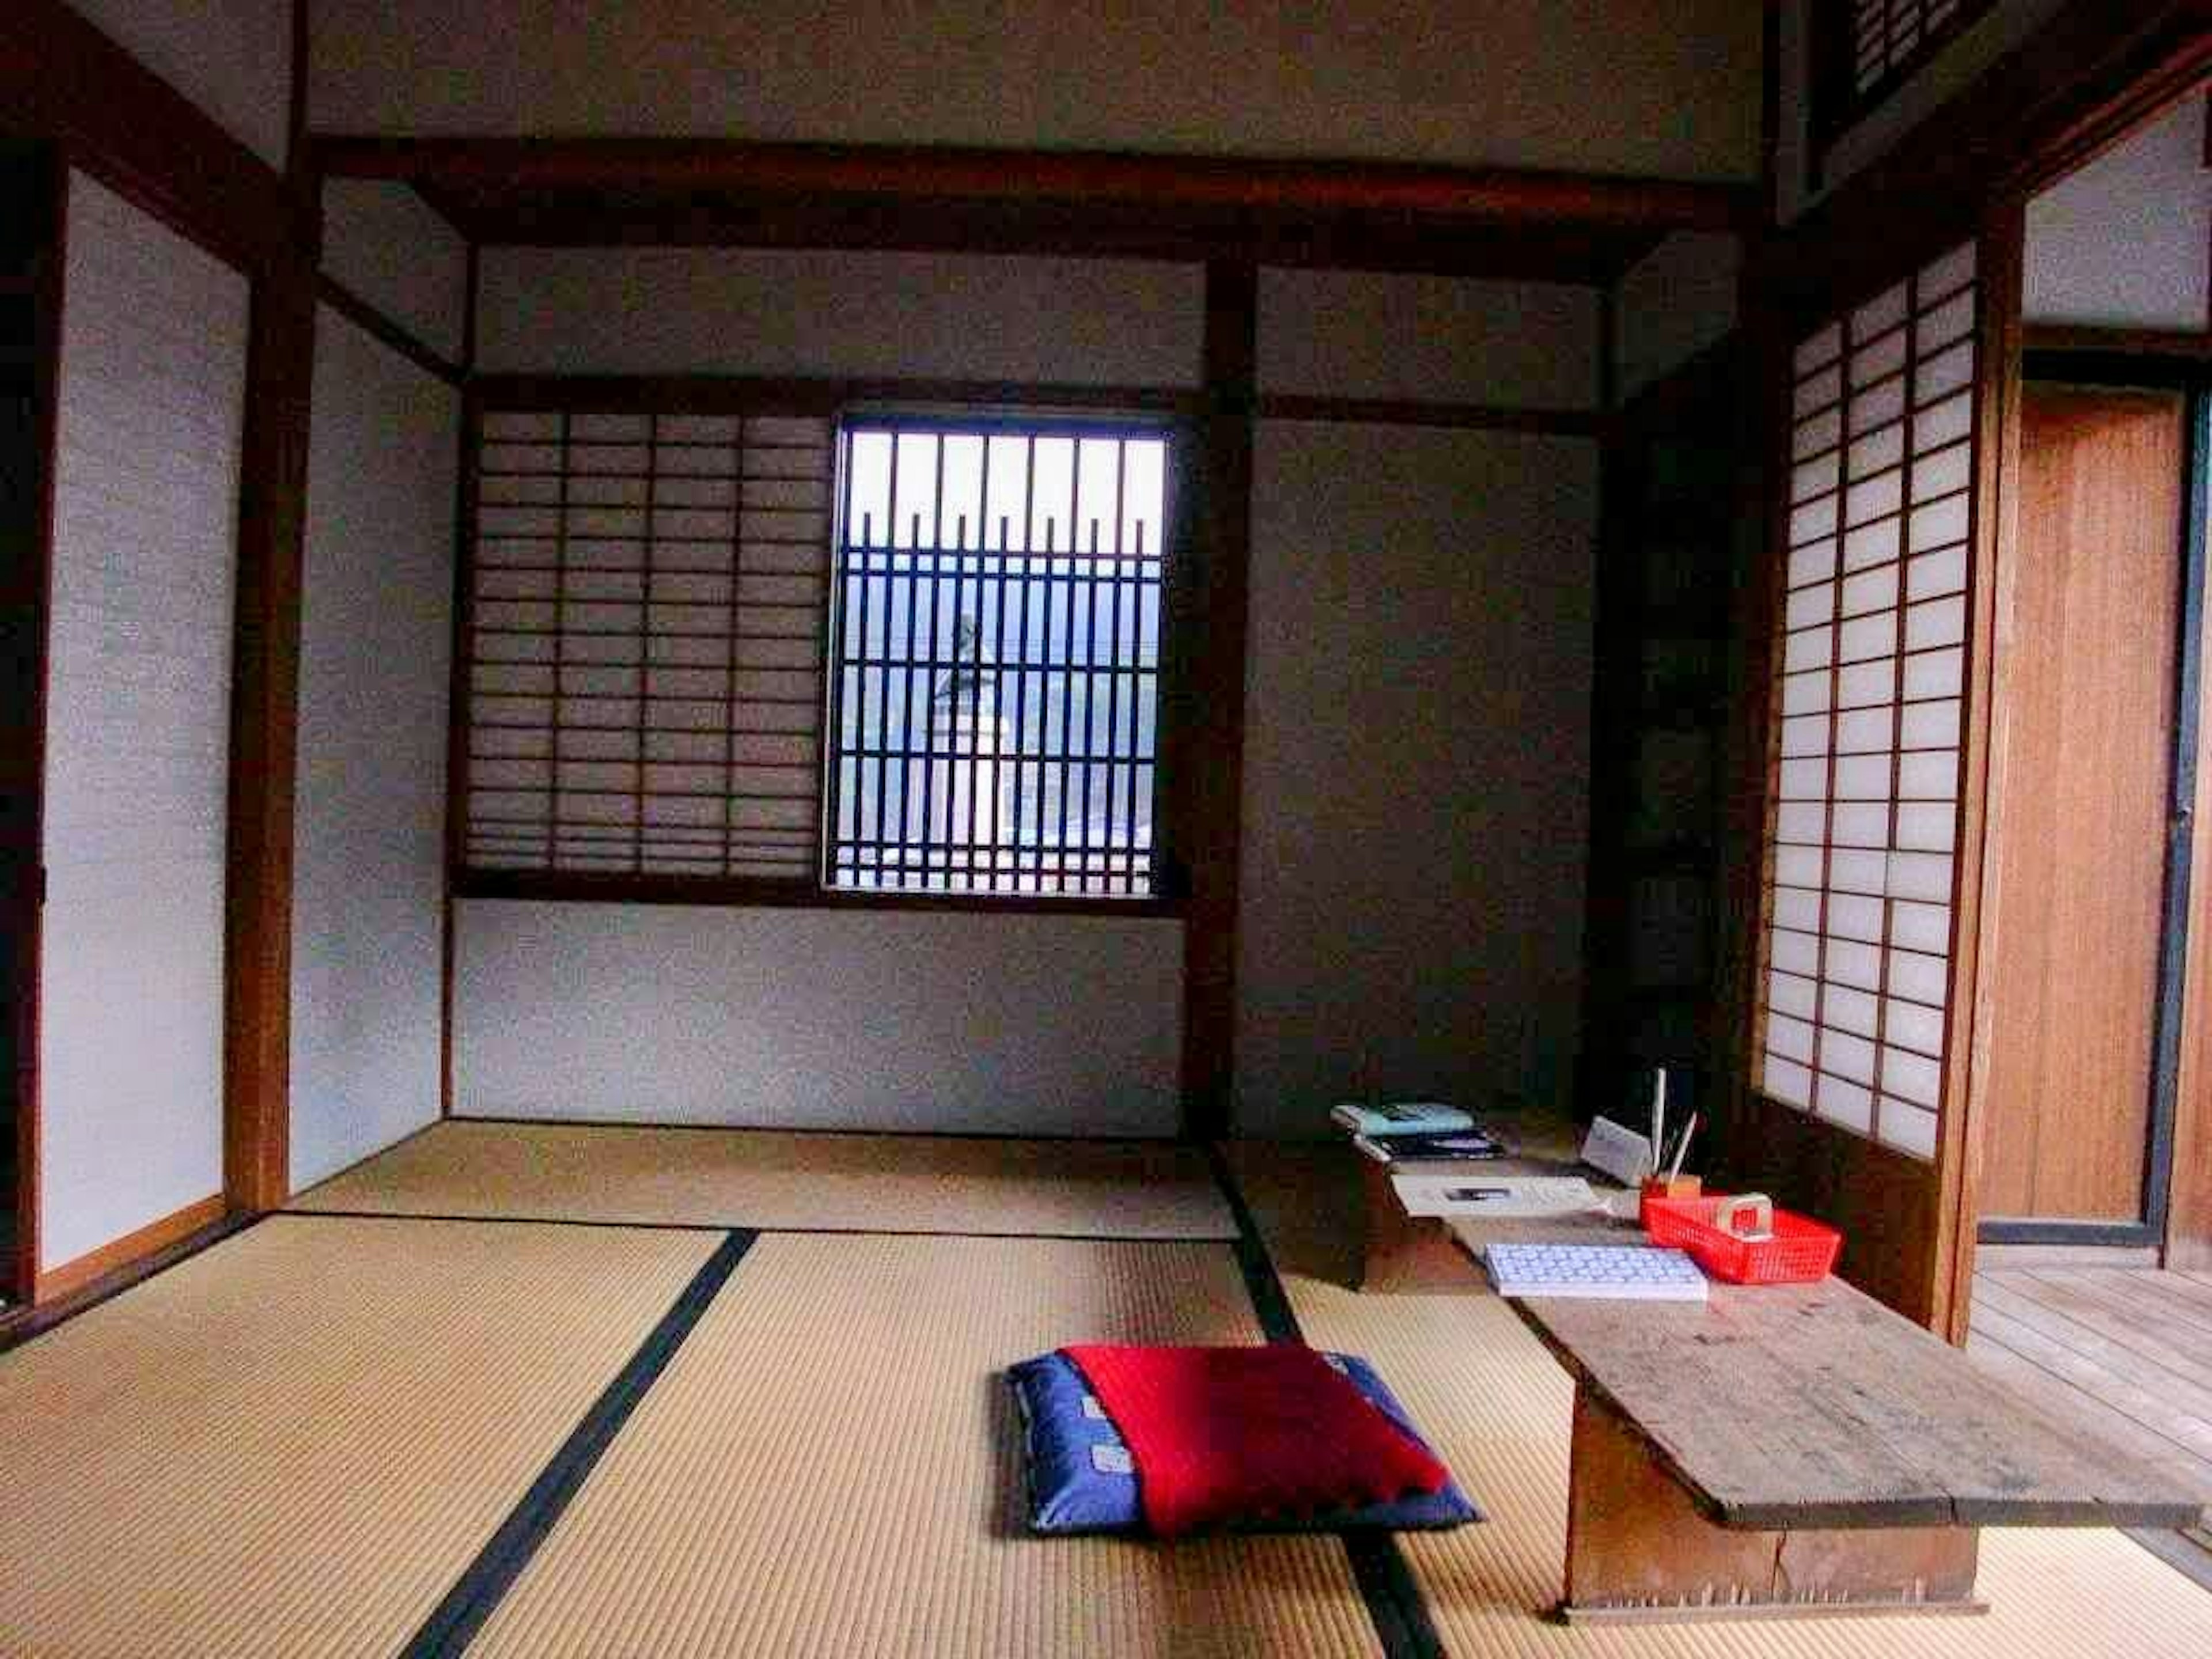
1666,1186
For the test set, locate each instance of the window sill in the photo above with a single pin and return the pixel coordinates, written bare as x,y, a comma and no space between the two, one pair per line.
756,893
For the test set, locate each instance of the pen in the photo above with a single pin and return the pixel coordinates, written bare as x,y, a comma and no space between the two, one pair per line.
1682,1151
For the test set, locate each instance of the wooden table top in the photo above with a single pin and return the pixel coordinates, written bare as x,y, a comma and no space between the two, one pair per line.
1813,1406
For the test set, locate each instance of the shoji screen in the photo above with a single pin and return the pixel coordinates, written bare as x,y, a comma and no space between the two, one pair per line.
1864,785
645,659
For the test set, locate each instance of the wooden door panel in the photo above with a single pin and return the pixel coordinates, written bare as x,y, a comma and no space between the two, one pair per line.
2087,729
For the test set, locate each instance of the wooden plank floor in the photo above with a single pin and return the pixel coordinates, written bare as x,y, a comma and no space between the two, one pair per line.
2126,1352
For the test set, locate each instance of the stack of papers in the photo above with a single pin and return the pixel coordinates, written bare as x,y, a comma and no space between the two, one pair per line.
1629,1272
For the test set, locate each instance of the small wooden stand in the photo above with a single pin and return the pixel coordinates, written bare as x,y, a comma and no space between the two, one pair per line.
1800,1449
1638,1550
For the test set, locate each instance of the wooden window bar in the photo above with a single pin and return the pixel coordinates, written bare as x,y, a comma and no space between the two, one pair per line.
996,635
1867,48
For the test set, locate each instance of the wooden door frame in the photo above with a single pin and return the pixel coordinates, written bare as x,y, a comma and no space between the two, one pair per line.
2078,86
2119,370
19,1274
2103,111
65,82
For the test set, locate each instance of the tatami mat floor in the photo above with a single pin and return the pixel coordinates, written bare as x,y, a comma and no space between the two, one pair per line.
829,1467
299,1441
771,1179
293,1443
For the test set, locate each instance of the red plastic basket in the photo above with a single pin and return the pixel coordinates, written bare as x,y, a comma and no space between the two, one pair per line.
1801,1250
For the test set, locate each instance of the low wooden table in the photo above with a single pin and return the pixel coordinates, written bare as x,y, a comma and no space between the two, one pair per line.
1801,1448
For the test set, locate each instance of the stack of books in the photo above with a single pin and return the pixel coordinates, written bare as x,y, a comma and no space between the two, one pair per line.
1416,1131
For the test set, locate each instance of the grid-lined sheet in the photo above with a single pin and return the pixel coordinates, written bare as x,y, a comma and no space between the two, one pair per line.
645,670
1862,801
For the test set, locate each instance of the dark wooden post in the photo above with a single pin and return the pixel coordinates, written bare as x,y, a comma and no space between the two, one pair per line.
1210,756
264,733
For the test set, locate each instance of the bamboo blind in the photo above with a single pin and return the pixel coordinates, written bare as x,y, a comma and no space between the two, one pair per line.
644,656
1862,802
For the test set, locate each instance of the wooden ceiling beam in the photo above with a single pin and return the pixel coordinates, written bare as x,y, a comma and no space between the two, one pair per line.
1155,181
1386,215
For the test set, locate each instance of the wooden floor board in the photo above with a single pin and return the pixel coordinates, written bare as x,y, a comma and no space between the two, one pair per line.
2147,1296
2193,1290
2140,1349
2060,1399
2186,1430
2124,1353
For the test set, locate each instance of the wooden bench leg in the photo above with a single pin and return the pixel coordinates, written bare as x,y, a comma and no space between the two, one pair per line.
1639,1551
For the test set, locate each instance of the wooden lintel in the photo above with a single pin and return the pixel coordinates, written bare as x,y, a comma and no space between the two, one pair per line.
2180,345
1439,413
1162,182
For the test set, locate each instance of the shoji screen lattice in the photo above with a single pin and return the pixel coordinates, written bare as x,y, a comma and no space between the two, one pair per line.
1890,38
1863,789
647,594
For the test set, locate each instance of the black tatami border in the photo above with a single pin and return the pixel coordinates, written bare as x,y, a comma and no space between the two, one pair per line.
753,1227
456,1619
1395,1602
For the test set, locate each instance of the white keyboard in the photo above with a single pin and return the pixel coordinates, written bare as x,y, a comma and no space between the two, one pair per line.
1629,1272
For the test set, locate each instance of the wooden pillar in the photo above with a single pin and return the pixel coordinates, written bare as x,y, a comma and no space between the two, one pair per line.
264,732
1210,753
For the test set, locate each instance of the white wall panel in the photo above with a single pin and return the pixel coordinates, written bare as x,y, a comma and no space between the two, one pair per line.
2126,242
1674,304
682,311
145,552
369,849
1661,87
383,243
1416,769
1356,335
232,57
818,1018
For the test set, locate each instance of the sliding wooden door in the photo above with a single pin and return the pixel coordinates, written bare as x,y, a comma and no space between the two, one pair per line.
2088,639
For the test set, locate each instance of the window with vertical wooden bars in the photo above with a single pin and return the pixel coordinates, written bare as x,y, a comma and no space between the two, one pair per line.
997,630
1862,798
644,684
1869,48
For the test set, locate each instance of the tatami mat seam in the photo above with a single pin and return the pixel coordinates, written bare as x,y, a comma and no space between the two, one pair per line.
750,1227
1386,1580
453,1624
